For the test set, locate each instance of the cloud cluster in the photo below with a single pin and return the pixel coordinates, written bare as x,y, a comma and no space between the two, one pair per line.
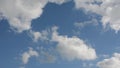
20,13
69,48
108,9
113,62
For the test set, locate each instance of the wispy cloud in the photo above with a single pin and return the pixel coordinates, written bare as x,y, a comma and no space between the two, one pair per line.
86,23
28,54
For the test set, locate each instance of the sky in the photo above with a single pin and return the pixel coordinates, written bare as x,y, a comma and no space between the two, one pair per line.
59,33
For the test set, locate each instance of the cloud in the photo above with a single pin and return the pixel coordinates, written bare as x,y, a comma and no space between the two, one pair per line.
83,24
47,56
59,1
42,54
111,14
108,9
20,13
28,54
88,5
72,48
36,36
69,48
113,62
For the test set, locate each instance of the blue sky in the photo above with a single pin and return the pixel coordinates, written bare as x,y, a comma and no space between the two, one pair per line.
59,34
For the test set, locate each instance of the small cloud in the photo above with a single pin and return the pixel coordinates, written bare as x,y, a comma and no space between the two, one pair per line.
28,54
59,1
86,23
113,62
36,36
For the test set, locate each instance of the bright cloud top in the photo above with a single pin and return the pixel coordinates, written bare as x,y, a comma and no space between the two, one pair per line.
113,62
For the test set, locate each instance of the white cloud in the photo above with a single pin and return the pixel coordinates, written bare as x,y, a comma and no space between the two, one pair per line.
69,48
29,54
108,9
83,24
113,62
111,17
43,55
20,13
59,1
88,5
36,36
72,48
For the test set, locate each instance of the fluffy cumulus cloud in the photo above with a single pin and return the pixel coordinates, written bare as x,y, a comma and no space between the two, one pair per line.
20,13
72,48
113,62
28,54
108,9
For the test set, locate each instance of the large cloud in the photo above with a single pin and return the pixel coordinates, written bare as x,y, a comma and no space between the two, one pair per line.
108,9
113,62
72,48
20,13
